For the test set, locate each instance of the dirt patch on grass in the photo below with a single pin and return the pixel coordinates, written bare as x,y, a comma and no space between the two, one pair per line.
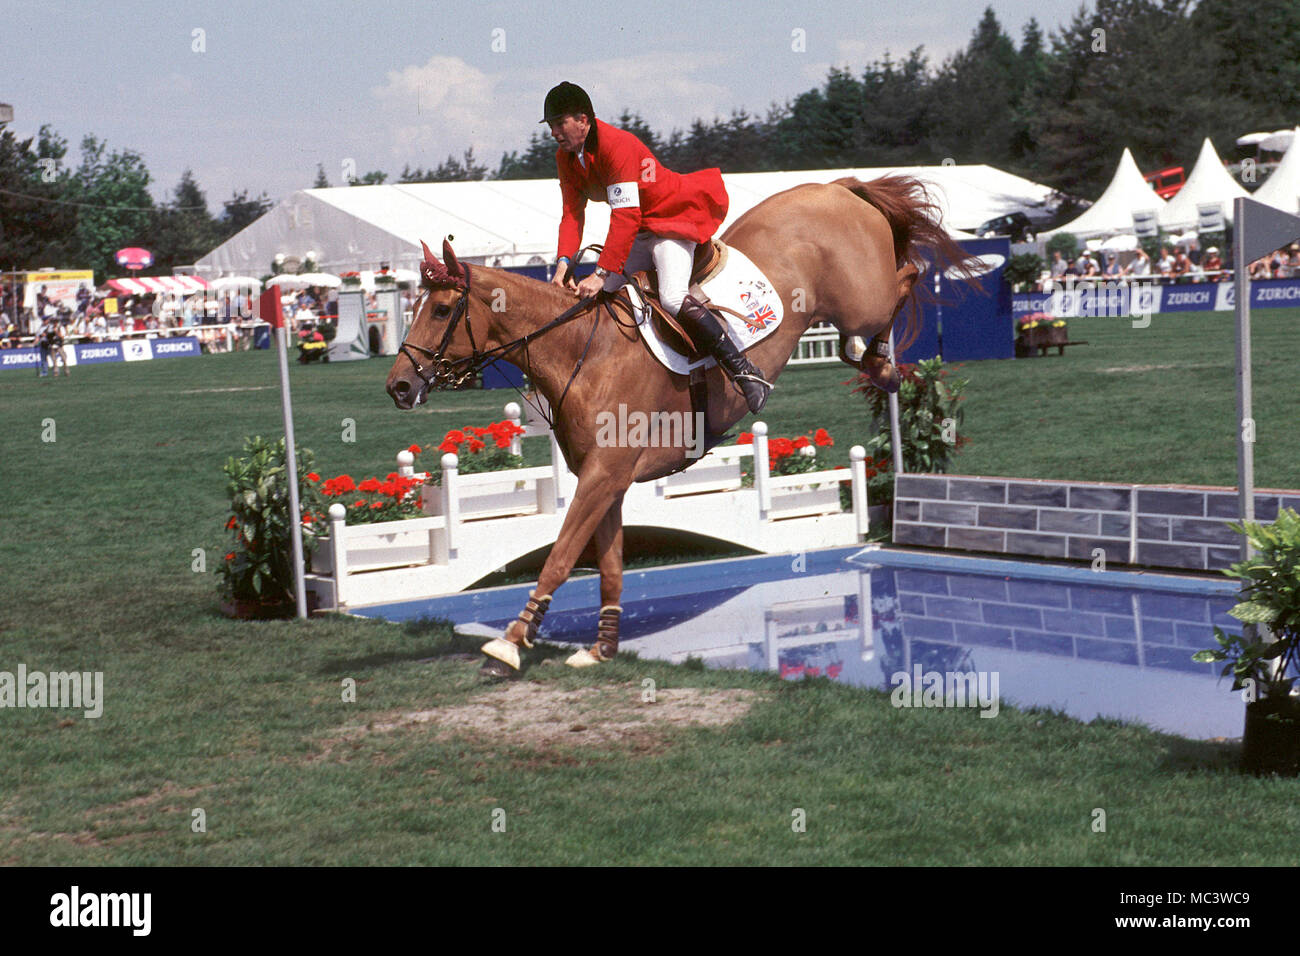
542,716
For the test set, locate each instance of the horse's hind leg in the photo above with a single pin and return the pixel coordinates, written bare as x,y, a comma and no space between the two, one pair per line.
872,357
609,554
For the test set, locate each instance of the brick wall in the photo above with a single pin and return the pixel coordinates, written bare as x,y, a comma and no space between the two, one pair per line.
1167,526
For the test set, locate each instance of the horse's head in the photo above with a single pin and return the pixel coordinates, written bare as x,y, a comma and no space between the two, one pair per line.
441,341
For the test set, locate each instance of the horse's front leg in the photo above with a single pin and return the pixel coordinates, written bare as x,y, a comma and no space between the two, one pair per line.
603,481
609,556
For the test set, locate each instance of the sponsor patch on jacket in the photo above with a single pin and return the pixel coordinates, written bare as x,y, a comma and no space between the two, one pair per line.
622,195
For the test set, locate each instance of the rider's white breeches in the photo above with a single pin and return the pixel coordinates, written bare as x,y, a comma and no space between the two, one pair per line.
672,259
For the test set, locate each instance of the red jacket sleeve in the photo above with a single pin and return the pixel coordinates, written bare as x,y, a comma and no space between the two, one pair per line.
624,166
575,212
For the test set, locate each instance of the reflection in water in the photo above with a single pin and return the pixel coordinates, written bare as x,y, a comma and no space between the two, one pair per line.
1087,650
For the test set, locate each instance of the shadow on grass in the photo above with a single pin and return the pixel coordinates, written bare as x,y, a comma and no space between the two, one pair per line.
1181,755
443,642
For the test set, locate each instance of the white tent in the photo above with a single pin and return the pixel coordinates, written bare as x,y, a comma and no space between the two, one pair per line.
514,223
1112,213
1282,189
1208,183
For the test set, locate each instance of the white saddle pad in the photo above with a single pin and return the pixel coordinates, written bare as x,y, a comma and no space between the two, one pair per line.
740,286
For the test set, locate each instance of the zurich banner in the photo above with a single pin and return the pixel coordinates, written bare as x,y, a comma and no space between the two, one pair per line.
1103,297
95,352
172,348
19,358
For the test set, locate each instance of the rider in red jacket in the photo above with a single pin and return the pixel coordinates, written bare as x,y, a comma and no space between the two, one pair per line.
657,216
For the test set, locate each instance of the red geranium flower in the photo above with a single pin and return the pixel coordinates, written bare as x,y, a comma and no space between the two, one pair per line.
476,445
231,522
312,476
801,442
414,449
230,556
370,484
455,435
746,438
449,448
822,437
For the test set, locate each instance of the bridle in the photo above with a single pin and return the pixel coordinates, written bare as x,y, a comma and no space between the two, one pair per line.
443,373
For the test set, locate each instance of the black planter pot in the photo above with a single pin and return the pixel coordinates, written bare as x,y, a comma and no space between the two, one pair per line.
1272,738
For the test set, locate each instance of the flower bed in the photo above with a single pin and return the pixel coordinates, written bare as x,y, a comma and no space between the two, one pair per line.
471,446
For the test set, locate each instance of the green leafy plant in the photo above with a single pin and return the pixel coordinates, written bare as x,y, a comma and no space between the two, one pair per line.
1270,597
930,417
1066,243
260,565
1024,269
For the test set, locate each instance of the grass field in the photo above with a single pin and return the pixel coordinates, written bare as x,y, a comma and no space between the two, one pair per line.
246,721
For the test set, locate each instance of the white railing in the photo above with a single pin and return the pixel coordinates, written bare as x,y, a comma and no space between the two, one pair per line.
419,557
821,343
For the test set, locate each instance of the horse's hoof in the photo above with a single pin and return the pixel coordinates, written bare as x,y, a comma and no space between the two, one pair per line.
504,651
884,376
494,669
583,658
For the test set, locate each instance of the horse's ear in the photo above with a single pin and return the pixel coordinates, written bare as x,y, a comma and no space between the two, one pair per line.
428,253
449,256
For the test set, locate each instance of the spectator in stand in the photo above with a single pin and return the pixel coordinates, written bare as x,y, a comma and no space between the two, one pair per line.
83,300
1090,267
1292,264
1112,270
1059,265
1140,267
1166,262
1275,264
1212,265
1182,266
1259,269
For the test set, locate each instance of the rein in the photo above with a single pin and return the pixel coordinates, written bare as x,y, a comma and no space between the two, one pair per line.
444,373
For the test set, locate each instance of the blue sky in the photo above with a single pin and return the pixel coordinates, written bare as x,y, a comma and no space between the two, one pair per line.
278,88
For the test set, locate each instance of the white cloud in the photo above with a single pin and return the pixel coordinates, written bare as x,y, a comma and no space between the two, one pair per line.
446,104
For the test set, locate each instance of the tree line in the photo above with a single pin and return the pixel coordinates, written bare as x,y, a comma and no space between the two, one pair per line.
1156,76
53,214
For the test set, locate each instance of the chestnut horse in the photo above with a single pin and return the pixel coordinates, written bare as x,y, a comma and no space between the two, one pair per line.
846,252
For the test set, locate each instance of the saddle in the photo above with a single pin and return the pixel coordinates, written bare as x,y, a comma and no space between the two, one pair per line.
710,257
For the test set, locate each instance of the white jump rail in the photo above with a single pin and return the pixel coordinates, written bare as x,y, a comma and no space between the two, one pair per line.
476,524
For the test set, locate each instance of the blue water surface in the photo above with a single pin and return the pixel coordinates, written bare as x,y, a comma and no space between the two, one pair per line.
1091,644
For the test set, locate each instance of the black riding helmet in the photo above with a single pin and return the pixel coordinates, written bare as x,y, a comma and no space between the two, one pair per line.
565,99
569,98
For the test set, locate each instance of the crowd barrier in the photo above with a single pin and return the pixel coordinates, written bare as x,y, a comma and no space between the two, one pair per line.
1106,297
97,353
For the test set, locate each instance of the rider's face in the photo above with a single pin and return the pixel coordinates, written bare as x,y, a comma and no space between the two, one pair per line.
570,131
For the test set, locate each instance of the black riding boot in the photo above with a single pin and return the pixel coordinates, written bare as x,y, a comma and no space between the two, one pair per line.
705,328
